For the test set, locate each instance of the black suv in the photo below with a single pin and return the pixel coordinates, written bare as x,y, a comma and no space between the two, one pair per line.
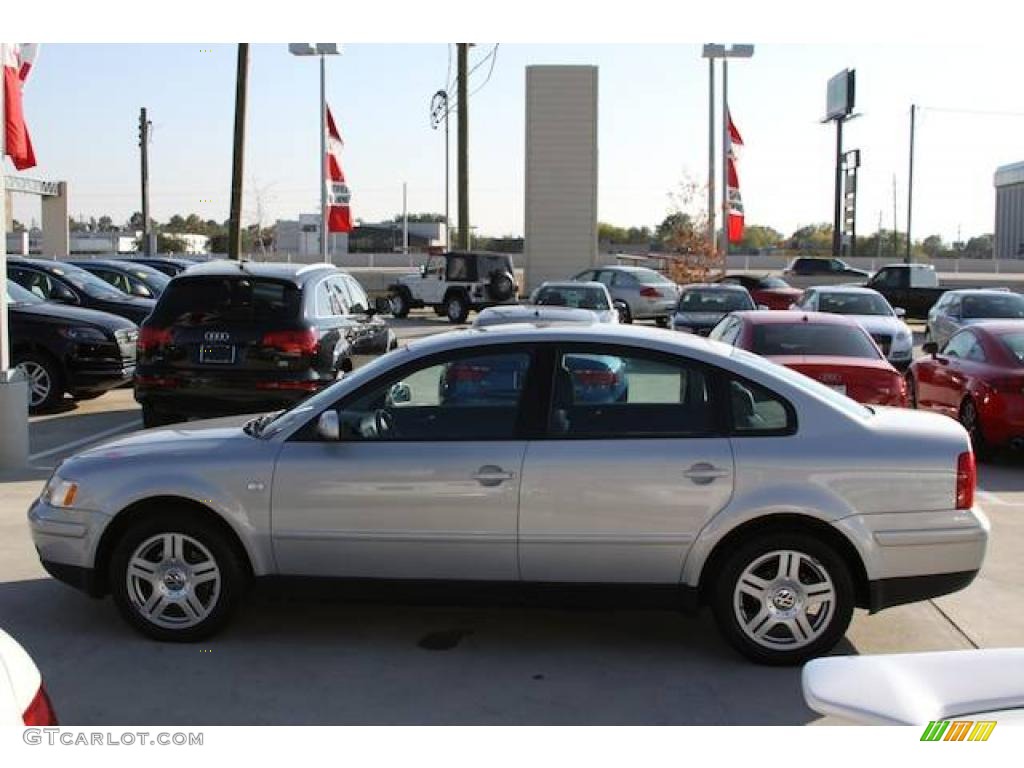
66,349
67,284
231,337
814,265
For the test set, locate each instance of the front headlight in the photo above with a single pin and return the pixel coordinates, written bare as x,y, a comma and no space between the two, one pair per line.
60,492
903,341
84,334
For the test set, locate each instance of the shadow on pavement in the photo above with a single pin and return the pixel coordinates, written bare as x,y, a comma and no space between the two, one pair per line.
296,658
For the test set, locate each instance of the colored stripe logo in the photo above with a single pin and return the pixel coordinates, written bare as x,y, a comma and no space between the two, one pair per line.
958,730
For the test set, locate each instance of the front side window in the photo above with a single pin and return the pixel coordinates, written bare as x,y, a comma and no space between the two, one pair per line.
463,398
1014,343
622,280
359,301
727,331
1009,305
628,396
960,345
459,268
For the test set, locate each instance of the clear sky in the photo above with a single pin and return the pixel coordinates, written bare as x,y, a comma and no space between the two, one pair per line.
83,100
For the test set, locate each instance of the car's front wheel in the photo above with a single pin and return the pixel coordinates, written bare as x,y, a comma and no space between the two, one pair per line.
783,598
176,576
45,385
625,316
456,308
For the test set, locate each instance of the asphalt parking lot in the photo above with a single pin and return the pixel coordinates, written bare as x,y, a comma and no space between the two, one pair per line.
315,657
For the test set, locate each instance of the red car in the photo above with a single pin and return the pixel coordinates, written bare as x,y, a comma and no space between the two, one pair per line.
766,290
833,349
977,378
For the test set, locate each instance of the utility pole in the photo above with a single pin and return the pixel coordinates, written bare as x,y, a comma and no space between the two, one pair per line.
837,221
712,241
878,237
725,162
438,109
405,218
241,91
895,228
463,153
144,126
910,183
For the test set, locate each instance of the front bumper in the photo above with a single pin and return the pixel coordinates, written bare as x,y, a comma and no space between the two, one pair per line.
66,541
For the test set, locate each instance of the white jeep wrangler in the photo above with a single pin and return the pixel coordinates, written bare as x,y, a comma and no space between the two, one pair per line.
455,283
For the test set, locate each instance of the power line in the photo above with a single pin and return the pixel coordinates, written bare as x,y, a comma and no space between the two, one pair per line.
494,59
983,112
453,103
482,61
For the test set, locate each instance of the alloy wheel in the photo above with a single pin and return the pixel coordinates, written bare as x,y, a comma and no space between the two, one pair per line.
40,383
784,600
173,581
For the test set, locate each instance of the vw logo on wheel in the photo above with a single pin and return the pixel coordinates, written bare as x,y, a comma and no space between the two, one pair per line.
216,336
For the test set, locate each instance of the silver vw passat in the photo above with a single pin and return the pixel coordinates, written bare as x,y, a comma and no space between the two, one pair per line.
573,455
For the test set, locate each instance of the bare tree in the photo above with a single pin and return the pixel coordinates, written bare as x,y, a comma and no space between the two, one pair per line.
684,234
261,199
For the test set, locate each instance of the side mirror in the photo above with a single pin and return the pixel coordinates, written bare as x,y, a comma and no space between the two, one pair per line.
930,348
382,305
399,393
900,311
328,427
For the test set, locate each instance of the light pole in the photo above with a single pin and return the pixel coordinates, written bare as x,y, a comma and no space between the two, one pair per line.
711,52
438,109
321,50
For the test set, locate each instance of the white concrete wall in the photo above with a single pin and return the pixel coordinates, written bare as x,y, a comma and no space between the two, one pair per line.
561,172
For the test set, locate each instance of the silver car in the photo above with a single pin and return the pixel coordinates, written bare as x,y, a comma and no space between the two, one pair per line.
955,310
872,311
592,455
638,293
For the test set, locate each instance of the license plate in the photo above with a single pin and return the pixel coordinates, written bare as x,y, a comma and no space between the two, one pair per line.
840,388
217,353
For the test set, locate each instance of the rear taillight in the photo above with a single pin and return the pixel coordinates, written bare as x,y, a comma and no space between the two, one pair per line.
590,378
157,382
899,389
153,338
292,342
966,478
40,710
306,385
650,293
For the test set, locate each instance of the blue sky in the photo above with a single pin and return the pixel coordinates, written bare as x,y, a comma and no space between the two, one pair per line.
83,103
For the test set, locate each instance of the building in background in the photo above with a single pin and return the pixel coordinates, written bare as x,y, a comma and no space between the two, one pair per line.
1009,234
299,240
30,243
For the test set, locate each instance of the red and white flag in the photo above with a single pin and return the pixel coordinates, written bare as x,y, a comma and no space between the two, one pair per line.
735,201
17,60
339,216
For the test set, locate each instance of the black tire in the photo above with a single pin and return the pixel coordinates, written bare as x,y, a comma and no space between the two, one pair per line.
456,308
400,304
46,380
971,421
820,557
625,316
230,563
911,390
502,286
438,310
662,322
154,418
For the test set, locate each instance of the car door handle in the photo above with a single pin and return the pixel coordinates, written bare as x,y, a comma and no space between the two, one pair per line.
491,475
704,473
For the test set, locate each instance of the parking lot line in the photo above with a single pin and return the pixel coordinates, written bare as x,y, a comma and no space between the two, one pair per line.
990,498
134,424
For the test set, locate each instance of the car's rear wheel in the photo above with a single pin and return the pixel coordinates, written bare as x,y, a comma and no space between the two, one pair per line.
911,390
456,308
783,598
625,316
399,304
176,578
662,322
151,417
45,384
971,421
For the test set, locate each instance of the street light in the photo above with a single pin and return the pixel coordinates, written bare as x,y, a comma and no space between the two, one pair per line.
711,52
321,50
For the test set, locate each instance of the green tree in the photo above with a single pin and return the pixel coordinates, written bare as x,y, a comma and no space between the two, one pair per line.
175,224
979,247
675,225
757,236
421,217
933,247
170,244
813,238
105,224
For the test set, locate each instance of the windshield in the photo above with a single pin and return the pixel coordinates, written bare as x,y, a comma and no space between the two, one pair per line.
650,277
994,305
853,304
815,340
87,282
18,295
710,300
578,297
1014,342
242,299
797,379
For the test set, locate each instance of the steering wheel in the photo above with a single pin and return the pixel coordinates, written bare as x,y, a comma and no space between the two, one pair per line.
383,421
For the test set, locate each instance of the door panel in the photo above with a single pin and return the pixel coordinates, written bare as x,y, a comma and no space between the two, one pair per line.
415,510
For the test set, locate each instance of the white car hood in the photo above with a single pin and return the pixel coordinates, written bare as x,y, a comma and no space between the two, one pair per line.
914,688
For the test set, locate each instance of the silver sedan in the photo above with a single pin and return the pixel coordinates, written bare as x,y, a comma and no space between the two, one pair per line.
579,456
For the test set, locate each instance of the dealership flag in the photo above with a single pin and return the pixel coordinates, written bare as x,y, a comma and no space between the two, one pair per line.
17,60
735,202
339,217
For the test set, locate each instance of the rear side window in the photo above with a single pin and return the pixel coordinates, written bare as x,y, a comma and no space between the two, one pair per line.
209,300
1010,305
650,277
490,264
628,396
810,339
758,411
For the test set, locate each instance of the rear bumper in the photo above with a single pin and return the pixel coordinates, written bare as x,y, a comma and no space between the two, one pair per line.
191,395
886,593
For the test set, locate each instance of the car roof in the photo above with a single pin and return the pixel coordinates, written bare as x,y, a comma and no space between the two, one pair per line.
861,289
623,268
1000,291
997,327
790,316
715,287
278,270
112,263
46,264
900,265
571,284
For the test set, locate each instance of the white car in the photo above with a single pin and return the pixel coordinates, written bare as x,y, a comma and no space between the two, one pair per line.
23,699
528,313
871,310
921,688
590,295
